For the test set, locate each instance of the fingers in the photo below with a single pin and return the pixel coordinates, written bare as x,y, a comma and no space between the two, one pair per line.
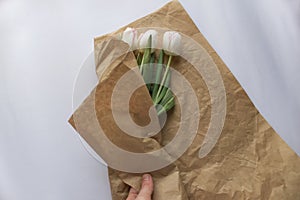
147,188
132,194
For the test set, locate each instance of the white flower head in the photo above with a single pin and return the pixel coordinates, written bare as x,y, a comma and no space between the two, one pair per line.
172,43
143,40
130,36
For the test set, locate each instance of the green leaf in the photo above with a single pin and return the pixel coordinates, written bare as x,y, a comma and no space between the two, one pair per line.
139,59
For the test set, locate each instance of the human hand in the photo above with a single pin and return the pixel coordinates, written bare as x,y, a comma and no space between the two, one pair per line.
145,192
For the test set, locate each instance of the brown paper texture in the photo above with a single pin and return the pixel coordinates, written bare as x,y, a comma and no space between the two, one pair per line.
249,160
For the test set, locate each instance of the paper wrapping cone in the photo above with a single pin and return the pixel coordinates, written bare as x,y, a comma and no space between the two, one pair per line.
249,160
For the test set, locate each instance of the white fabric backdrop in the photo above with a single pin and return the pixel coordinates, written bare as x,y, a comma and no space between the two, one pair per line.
43,44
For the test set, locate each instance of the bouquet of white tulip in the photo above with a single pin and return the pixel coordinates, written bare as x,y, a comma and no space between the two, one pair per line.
150,66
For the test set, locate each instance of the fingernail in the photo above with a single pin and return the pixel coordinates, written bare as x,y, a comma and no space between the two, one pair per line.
146,177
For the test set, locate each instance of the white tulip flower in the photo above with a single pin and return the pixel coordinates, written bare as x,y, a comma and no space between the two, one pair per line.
172,43
143,40
130,36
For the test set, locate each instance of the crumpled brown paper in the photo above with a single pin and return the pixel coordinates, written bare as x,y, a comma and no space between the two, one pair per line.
249,161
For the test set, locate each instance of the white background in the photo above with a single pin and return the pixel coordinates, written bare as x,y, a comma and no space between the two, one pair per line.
44,43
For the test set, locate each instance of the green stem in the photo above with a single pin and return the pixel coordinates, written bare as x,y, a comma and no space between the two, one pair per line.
169,104
163,79
158,74
142,63
168,95
147,54
150,85
164,88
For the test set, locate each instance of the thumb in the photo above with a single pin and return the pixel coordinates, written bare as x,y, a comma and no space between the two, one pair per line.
147,188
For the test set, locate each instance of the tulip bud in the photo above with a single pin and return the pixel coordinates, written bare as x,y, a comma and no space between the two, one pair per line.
143,40
130,36
172,43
